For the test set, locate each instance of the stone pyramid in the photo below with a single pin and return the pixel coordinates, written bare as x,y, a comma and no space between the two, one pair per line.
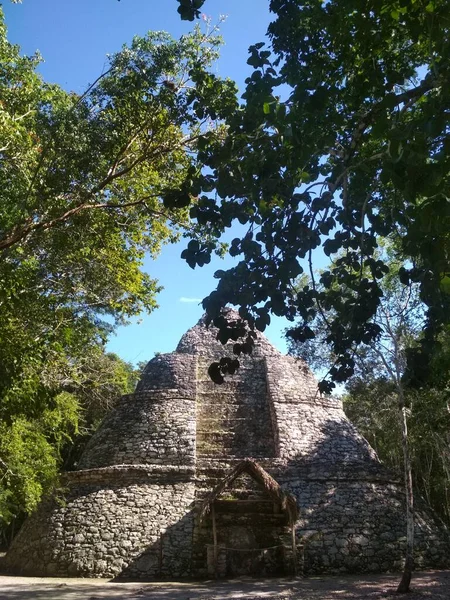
132,507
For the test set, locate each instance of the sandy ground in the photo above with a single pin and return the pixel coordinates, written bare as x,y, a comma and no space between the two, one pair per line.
430,585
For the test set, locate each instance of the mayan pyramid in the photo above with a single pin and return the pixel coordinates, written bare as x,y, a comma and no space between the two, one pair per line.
260,475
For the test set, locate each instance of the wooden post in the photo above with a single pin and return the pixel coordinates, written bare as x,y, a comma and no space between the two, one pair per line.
294,551
160,553
213,515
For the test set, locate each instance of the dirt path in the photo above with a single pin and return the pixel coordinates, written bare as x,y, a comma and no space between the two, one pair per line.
431,585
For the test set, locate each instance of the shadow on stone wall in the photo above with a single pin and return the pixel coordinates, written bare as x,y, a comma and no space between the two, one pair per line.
168,558
351,520
352,509
352,517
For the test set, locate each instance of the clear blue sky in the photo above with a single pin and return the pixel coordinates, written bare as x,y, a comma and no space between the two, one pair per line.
74,37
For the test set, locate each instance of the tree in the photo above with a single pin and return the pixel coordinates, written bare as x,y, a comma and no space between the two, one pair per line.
36,444
371,404
380,366
370,401
423,429
358,149
95,382
343,137
88,184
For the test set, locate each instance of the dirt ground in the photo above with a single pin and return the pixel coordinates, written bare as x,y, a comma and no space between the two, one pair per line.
430,585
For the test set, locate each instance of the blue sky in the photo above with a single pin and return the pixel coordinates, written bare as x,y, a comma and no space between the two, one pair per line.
73,38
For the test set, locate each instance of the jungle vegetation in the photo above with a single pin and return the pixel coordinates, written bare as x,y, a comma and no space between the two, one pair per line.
340,139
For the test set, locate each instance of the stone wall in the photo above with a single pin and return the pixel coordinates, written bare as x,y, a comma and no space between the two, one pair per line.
130,509
201,340
309,426
350,523
156,424
359,526
125,521
174,372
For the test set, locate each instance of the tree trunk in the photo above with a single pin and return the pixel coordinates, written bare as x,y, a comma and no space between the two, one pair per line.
404,584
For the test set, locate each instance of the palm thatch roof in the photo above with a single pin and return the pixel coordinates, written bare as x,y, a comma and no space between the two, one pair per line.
268,483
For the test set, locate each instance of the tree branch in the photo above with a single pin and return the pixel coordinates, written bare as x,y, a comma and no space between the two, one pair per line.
19,234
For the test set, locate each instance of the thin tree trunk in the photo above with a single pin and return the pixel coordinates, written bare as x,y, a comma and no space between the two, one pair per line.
404,584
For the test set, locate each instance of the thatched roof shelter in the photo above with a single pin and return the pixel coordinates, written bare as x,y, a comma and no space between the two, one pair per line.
287,501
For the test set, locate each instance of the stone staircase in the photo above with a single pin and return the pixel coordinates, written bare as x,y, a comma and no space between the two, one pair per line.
233,419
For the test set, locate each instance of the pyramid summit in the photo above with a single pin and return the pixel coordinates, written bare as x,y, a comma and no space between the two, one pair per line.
260,475
202,339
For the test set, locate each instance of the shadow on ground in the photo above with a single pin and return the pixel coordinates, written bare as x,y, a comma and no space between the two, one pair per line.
431,585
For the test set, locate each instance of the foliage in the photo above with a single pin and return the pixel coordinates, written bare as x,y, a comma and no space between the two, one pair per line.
52,433
88,185
399,318
29,455
371,405
343,137
97,380
379,386
189,9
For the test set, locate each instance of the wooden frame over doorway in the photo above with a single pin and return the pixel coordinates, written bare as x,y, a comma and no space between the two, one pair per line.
284,499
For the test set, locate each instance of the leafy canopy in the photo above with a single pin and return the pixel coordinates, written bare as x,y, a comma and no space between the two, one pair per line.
88,184
382,386
343,137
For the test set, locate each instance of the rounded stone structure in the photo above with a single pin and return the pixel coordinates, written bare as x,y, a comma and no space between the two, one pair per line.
132,507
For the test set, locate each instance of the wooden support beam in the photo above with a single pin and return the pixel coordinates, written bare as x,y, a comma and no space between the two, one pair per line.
294,551
213,516
160,552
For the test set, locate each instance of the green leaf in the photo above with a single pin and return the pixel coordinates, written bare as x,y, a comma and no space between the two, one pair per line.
445,284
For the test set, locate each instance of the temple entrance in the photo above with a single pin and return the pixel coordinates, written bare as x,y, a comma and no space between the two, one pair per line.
250,536
249,519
